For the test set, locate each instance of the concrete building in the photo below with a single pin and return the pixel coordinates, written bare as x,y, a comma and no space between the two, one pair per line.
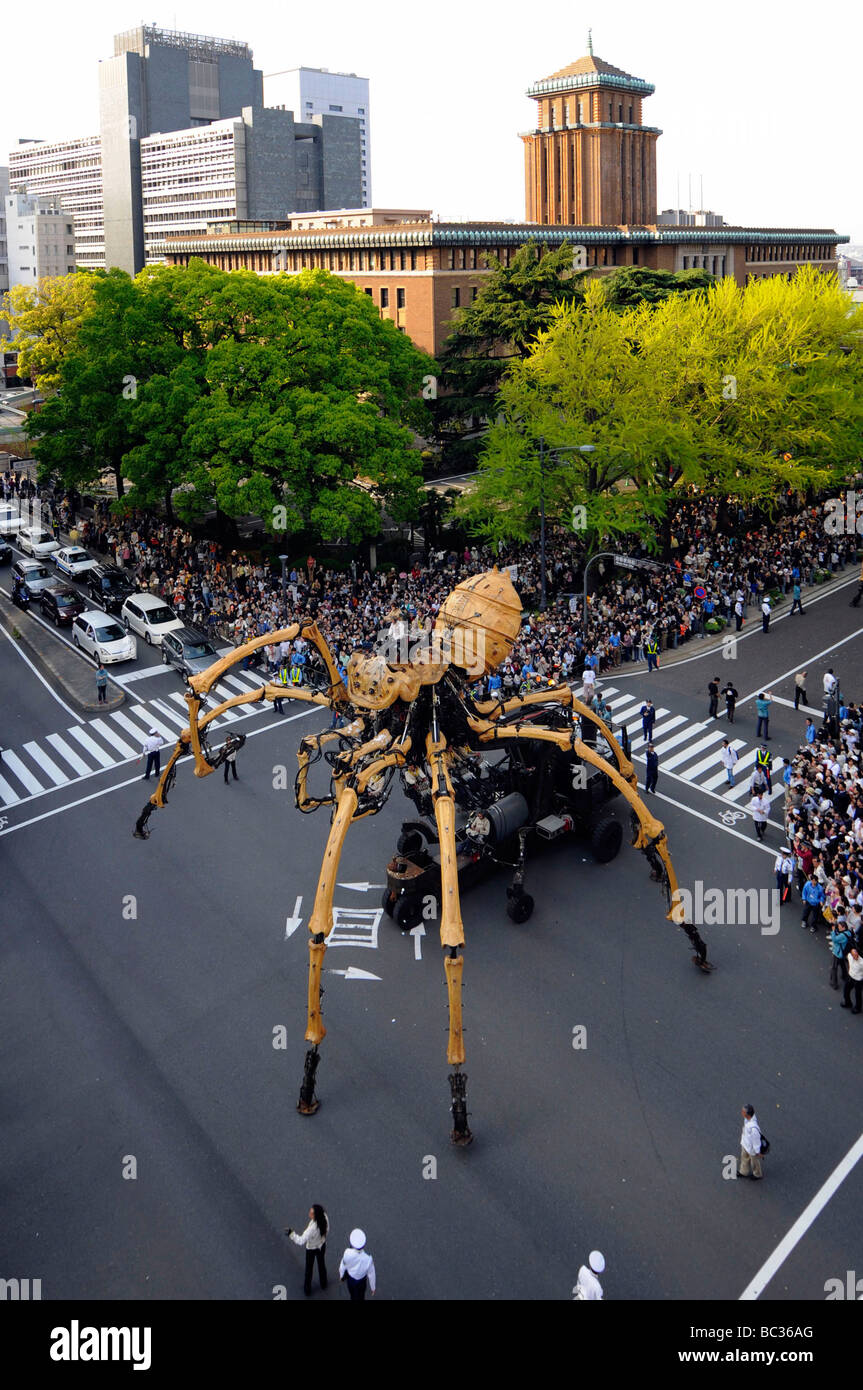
419,272
39,238
155,168
312,92
4,258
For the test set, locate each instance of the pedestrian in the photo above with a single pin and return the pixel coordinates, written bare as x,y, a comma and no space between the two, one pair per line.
314,1241
652,650
809,731
231,744
762,709
783,868
750,1145
152,746
813,896
800,689
739,612
588,1289
760,808
853,980
796,599
830,682
652,769
648,718
729,757
588,683
357,1268
713,692
765,614
839,940
730,701
764,761
102,684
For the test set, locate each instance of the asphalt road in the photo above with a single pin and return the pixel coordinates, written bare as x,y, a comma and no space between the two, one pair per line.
142,984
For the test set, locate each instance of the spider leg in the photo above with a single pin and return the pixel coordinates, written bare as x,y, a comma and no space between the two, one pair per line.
650,835
451,929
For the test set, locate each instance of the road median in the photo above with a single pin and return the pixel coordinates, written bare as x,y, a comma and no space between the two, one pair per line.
66,670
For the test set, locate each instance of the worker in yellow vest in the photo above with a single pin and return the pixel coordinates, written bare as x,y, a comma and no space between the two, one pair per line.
651,647
764,761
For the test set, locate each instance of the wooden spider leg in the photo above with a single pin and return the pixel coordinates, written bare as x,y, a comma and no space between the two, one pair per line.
650,835
321,920
310,745
563,696
451,928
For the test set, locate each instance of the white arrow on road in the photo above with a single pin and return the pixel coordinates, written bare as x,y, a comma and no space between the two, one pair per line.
352,973
418,933
362,887
292,923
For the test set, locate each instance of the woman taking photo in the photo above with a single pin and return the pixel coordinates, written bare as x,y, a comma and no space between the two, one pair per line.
314,1239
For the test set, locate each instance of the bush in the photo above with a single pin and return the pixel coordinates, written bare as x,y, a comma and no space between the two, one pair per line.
714,625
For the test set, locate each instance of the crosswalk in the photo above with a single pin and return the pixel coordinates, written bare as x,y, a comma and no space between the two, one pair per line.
104,741
688,748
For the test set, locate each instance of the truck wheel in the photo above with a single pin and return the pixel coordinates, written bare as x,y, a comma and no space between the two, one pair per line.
387,902
520,909
409,842
408,913
606,838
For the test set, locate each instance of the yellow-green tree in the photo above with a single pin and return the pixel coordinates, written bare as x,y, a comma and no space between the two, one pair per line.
44,319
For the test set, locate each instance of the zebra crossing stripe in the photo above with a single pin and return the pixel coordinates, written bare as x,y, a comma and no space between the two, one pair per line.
659,732
745,761
666,743
92,747
691,773
40,757
7,795
112,737
171,714
152,721
712,737
68,755
132,729
17,768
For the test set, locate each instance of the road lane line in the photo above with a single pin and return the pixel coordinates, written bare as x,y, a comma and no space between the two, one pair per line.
774,1262
38,674
803,665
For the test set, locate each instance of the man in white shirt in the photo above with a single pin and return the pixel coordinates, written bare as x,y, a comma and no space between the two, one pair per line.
830,682
750,1145
588,1289
766,610
152,745
357,1268
760,808
728,756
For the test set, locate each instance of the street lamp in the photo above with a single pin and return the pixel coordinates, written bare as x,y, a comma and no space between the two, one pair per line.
623,562
284,560
559,449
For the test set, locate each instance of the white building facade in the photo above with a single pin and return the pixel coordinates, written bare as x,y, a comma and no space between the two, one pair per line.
312,92
40,239
70,170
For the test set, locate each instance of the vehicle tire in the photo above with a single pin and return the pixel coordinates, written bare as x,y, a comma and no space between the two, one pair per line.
409,842
75,641
606,837
164,657
387,902
408,912
147,639
520,909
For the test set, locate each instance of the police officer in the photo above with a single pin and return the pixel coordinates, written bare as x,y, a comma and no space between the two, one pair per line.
713,692
652,769
648,718
764,761
588,1289
651,648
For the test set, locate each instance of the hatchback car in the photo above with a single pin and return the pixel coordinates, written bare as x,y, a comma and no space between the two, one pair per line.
103,638
73,561
188,651
60,603
36,541
150,617
109,587
34,574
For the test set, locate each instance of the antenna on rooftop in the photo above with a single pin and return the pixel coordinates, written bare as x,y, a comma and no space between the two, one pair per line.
590,42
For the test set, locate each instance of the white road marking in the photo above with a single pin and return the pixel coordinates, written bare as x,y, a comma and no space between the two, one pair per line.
692,772
757,1285
803,709
69,755
13,763
714,736
664,744
92,747
803,665
38,674
7,795
112,737
40,757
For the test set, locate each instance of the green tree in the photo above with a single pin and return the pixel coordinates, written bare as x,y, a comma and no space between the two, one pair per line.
632,285
44,320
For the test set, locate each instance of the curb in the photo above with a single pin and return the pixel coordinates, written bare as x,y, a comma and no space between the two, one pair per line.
63,667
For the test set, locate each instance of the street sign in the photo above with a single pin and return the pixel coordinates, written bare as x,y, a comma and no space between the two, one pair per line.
626,562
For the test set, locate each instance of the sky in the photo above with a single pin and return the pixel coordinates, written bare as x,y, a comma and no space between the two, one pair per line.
755,100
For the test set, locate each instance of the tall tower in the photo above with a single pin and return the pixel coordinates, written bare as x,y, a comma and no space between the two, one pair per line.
590,162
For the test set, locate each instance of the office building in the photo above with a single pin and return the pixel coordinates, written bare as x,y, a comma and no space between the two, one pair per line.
39,239
312,92
72,171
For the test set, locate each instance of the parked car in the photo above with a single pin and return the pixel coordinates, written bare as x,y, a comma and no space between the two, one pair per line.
103,638
60,603
109,587
150,617
190,652
34,574
72,560
36,541
10,519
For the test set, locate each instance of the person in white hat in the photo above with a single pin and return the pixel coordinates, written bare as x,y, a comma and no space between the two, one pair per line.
357,1268
152,746
588,1289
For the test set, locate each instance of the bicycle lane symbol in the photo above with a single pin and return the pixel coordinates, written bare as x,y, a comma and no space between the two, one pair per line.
731,817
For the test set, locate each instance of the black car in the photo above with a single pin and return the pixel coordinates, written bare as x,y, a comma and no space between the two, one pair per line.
189,651
5,553
61,604
109,588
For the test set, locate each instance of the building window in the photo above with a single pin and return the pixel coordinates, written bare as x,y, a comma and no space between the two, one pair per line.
361,110
450,260
473,293
385,299
620,113
685,262
413,260
400,299
635,255
630,115
336,108
369,293
456,298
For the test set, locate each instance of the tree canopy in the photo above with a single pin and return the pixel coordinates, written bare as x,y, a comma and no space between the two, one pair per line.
44,320
283,396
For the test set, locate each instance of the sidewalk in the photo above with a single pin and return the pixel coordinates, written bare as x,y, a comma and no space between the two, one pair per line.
66,669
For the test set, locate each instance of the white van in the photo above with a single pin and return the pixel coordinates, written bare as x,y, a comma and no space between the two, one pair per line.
10,519
150,617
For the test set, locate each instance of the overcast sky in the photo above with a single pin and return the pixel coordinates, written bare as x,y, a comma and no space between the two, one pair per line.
757,99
